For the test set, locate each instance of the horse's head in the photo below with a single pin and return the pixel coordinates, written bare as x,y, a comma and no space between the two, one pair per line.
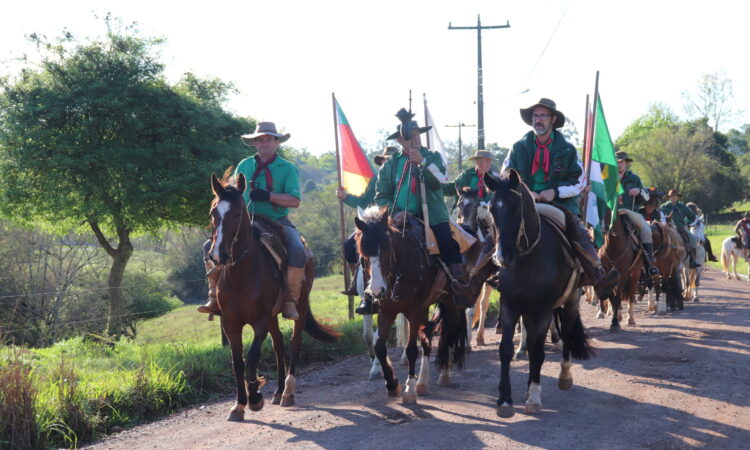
699,229
374,245
227,213
515,217
473,211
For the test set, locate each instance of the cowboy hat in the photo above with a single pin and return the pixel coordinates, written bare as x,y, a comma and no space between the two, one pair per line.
547,103
623,156
387,152
482,154
673,192
405,117
264,129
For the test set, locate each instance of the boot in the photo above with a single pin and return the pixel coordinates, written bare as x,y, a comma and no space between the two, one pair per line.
709,252
295,276
604,282
367,306
211,306
648,258
352,289
459,288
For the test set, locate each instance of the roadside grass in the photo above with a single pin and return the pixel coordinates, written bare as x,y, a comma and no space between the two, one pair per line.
741,206
716,234
83,388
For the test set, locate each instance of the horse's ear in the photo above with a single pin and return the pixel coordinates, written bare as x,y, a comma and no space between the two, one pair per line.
361,224
241,182
491,182
216,186
514,178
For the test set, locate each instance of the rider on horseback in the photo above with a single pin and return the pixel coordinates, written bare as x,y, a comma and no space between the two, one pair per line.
706,242
273,188
681,217
633,196
650,210
398,189
743,231
363,201
549,166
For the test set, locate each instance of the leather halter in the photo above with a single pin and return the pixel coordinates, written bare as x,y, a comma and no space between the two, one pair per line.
521,234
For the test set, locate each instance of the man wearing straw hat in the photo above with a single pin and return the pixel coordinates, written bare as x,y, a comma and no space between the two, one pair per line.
681,217
398,189
273,188
363,201
633,197
473,178
549,166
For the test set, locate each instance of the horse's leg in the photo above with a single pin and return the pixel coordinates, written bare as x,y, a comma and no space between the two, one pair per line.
565,378
409,395
601,313
555,338
631,314
385,320
470,316
254,383
234,335
424,368
375,371
661,288
615,303
402,336
484,304
537,332
522,349
290,384
505,401
278,348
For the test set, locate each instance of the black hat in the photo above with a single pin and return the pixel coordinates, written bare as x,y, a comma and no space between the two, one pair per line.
623,156
407,117
547,103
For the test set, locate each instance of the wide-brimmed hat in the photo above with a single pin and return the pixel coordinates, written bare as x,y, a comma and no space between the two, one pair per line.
481,154
673,192
623,156
264,129
387,152
403,113
547,103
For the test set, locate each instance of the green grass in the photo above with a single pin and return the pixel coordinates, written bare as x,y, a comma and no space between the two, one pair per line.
716,234
84,388
740,206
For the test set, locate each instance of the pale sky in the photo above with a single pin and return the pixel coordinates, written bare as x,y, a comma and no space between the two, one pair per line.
287,57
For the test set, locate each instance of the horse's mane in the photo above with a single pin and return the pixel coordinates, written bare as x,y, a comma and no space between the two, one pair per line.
368,244
229,182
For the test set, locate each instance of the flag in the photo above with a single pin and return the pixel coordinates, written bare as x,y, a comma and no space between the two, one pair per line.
596,207
607,188
435,143
356,170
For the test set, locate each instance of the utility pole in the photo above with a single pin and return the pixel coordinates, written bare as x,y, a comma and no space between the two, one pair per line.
480,94
460,145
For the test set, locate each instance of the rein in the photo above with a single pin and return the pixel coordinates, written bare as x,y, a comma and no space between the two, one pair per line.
521,235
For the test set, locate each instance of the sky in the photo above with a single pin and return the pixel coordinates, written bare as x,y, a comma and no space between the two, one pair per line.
287,57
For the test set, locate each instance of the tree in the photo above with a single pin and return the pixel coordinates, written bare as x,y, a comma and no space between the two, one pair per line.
94,135
658,116
713,100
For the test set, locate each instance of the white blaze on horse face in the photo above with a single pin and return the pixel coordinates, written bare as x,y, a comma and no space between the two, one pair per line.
221,211
498,256
483,211
377,283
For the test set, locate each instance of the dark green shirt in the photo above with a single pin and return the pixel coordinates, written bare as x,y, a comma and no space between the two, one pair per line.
285,181
469,178
681,214
628,181
432,170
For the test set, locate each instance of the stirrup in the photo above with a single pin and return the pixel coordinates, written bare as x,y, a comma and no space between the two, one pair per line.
367,306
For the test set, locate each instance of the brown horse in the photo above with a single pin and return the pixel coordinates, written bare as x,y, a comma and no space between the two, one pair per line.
405,280
621,251
670,255
249,286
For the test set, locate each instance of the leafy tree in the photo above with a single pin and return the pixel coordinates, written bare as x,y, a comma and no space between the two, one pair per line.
94,135
712,100
658,116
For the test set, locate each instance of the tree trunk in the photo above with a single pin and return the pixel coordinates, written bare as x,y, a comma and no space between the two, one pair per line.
120,257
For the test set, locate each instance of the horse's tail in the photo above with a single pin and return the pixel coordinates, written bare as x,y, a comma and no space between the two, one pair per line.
453,332
323,333
578,340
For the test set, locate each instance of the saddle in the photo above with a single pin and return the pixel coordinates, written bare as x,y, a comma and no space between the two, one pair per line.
555,217
416,228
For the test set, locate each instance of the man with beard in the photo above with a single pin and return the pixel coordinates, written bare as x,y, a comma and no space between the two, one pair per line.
549,166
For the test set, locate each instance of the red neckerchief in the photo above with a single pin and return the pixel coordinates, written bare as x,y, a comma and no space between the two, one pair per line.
545,164
413,182
480,185
263,167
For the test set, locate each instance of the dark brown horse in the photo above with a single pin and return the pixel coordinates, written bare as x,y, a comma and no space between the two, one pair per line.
670,255
405,280
249,286
538,279
621,251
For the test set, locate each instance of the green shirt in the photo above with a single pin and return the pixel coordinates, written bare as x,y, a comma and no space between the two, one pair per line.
364,200
469,178
681,214
628,181
285,181
432,170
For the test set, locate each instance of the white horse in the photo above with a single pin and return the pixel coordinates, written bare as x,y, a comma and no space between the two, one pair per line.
692,275
730,253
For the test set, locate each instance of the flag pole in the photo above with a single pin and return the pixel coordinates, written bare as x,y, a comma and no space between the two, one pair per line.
586,161
426,119
347,280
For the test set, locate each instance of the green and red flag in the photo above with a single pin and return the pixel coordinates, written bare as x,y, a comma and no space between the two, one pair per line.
356,170
607,187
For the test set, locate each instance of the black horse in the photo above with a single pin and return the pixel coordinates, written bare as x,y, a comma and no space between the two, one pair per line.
538,280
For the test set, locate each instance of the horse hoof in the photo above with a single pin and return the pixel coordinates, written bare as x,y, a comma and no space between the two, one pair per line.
375,374
600,315
631,322
257,406
533,408
236,416
422,390
614,328
276,399
395,392
409,398
444,380
287,401
520,356
565,384
695,300
480,342
505,411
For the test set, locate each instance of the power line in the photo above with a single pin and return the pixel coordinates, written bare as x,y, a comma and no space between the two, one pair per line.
547,44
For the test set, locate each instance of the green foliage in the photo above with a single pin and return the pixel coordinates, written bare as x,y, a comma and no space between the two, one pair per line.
317,219
658,116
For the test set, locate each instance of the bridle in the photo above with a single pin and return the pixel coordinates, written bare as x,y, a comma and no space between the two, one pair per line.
235,239
521,234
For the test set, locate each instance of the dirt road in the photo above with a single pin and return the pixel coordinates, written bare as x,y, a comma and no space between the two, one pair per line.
674,381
